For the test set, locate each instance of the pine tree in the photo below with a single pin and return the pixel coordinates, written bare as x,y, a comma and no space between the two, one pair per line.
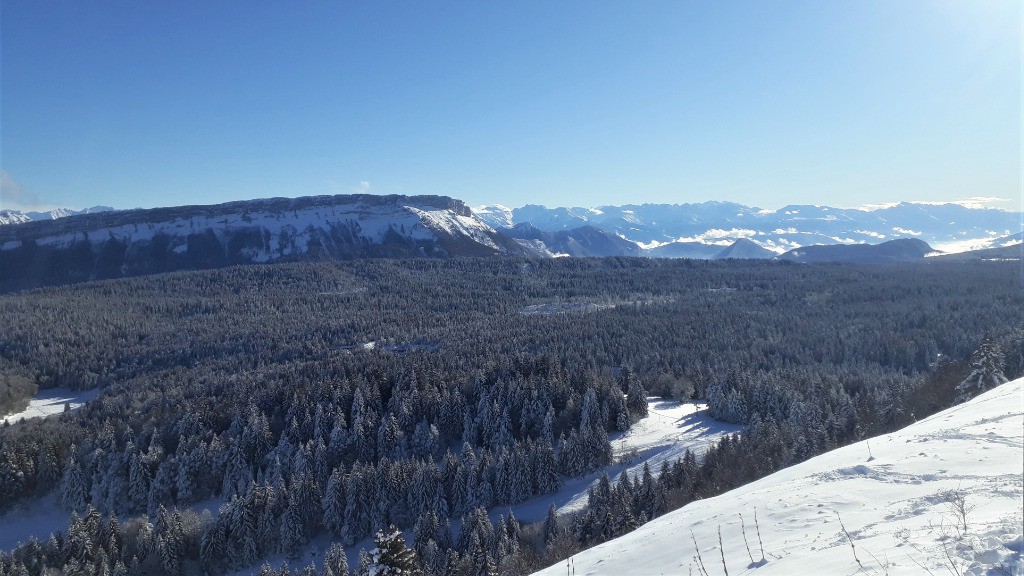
333,502
483,563
169,542
292,532
161,488
74,492
636,396
213,547
392,557
335,561
138,481
551,524
986,371
590,412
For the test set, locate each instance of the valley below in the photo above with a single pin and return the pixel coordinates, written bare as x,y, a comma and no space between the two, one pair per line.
504,414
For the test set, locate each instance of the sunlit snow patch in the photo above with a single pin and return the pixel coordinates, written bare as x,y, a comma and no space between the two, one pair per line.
52,401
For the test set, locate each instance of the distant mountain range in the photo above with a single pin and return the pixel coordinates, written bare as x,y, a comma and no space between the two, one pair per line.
62,246
19,217
685,230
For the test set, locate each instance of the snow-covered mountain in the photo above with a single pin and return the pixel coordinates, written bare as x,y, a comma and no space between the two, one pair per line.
677,229
582,241
13,217
941,496
131,242
19,217
747,249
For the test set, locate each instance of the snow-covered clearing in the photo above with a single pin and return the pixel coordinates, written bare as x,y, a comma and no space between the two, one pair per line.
52,401
897,502
548,308
39,517
563,307
664,435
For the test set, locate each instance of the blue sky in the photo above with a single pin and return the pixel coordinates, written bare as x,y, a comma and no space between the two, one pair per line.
141,104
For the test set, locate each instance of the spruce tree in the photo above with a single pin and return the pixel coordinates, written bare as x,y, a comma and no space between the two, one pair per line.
392,557
335,561
986,371
551,524
74,491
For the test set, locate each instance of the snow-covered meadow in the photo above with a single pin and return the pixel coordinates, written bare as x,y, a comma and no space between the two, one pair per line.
663,436
669,430
942,496
51,401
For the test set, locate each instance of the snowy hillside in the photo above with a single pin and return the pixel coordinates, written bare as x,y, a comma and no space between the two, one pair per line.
941,496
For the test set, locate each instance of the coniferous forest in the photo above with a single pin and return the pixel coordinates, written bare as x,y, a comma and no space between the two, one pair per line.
368,398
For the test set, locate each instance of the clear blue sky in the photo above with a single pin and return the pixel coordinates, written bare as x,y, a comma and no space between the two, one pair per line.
846,102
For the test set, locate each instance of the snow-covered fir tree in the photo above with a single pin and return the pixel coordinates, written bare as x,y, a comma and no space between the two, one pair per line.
986,371
392,557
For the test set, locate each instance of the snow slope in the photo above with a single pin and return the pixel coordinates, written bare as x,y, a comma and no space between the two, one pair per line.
891,493
663,436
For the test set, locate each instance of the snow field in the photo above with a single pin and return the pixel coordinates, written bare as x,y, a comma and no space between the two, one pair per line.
897,504
51,401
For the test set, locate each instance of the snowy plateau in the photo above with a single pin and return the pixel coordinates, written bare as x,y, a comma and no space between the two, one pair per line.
133,242
371,219
942,496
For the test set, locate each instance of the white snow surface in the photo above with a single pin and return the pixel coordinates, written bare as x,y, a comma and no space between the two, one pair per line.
13,217
37,518
495,215
51,401
889,498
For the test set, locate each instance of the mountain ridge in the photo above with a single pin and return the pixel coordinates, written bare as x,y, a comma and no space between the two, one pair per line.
143,241
900,250
716,222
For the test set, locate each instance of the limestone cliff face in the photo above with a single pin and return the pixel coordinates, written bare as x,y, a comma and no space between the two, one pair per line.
134,242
